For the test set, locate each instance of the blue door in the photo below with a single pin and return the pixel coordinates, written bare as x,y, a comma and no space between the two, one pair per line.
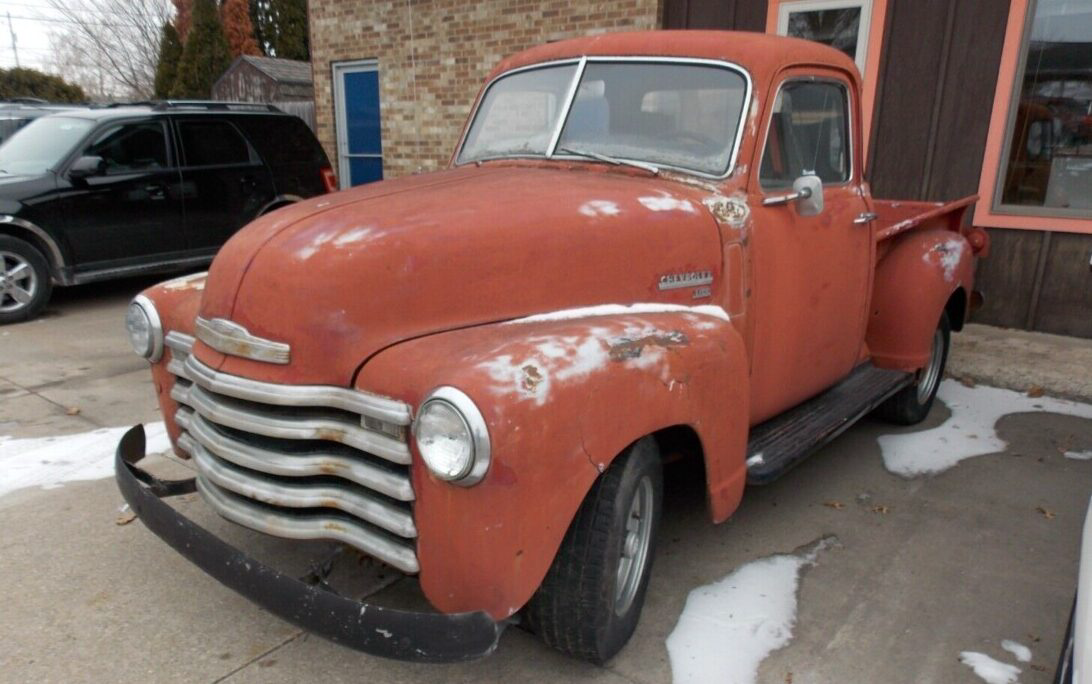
360,150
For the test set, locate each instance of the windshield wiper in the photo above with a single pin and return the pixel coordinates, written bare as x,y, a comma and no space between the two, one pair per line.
654,170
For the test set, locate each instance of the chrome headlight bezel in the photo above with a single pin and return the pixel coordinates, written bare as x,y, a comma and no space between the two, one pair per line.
478,431
153,350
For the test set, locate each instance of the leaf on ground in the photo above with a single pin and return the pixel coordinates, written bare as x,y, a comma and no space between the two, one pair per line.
125,518
836,505
1035,391
882,510
1039,668
967,381
788,678
1048,514
73,410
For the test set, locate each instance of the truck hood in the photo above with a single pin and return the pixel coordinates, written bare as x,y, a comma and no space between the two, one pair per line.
340,277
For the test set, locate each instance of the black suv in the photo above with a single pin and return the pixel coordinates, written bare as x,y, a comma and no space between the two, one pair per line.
92,194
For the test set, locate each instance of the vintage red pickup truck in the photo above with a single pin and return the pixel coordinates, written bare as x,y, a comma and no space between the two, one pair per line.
647,245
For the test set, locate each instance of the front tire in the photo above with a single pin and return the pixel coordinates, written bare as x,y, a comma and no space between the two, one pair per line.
911,405
591,599
25,281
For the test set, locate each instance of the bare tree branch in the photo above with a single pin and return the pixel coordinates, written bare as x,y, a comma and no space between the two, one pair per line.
110,46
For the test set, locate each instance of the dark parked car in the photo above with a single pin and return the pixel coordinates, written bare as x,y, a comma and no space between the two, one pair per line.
91,194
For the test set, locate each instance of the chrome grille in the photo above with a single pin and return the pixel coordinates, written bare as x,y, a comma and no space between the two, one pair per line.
298,461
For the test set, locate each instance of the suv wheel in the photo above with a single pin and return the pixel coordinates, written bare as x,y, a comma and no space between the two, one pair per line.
25,282
590,601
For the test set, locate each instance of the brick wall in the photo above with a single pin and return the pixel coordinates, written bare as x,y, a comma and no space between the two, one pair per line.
434,54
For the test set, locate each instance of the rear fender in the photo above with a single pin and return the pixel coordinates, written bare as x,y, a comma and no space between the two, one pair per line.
915,279
561,398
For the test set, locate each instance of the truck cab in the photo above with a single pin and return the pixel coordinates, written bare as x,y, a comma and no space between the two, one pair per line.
646,245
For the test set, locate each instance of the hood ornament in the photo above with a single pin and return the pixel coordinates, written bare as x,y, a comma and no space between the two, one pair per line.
233,339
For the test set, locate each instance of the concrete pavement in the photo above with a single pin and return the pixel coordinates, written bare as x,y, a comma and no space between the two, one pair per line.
925,568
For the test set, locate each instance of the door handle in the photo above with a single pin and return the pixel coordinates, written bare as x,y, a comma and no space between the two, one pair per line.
156,192
866,217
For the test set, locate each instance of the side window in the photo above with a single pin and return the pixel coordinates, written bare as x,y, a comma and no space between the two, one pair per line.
809,134
131,147
212,143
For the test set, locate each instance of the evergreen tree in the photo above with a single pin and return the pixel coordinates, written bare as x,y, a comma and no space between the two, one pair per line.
166,69
235,15
292,37
205,56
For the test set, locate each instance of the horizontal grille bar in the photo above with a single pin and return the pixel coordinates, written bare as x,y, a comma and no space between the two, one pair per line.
225,411
275,462
271,520
373,406
301,495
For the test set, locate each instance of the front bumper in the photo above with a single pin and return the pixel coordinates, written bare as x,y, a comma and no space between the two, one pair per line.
398,634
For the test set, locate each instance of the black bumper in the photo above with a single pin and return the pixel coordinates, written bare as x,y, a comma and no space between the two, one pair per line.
398,634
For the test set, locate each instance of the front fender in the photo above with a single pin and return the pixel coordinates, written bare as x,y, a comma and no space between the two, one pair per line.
561,398
914,281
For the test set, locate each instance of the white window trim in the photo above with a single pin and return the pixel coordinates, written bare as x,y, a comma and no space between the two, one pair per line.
864,28
339,69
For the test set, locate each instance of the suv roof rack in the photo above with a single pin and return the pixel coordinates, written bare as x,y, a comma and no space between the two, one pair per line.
215,105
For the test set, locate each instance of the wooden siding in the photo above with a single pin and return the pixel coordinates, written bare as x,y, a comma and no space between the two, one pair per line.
938,73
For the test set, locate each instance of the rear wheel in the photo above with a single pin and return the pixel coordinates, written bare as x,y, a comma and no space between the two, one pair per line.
590,601
25,283
911,404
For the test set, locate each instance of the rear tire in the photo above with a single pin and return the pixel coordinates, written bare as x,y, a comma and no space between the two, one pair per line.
25,281
912,404
590,601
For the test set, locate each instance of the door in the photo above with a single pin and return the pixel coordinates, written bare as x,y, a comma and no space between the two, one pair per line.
812,274
132,210
356,101
225,183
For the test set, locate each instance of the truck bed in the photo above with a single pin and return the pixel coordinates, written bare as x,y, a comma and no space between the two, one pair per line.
898,216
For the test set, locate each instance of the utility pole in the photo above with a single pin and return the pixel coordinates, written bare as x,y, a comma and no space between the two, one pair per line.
14,44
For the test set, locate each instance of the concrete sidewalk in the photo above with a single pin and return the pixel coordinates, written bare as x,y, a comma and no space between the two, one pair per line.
1023,361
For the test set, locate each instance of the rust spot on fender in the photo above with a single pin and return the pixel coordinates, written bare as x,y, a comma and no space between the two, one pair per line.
625,348
531,377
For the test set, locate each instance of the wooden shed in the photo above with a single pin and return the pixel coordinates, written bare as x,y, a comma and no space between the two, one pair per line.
265,79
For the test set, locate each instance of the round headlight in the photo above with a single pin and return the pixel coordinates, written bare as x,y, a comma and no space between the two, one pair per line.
452,437
145,331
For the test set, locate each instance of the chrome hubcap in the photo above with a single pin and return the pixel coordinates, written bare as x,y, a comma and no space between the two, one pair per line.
18,282
930,375
631,566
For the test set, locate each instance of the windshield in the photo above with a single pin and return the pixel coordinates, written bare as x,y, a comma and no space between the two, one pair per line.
41,144
669,114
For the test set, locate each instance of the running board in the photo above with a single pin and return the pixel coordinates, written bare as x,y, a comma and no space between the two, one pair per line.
782,442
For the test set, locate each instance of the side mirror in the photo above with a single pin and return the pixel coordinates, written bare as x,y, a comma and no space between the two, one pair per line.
809,191
87,166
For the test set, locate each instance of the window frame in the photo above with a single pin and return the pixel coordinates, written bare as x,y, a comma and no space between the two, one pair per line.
873,50
582,62
989,211
85,145
760,151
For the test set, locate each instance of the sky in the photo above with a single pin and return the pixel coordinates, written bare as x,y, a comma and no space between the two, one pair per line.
32,21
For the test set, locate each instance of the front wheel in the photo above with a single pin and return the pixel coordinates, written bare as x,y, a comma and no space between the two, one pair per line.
911,404
590,601
25,282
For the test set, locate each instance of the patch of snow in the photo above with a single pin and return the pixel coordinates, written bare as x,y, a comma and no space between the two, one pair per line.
665,202
1079,455
50,462
970,431
951,252
988,669
1018,650
594,208
755,460
729,627
621,309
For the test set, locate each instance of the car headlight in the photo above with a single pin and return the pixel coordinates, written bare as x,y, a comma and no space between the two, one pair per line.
452,437
145,330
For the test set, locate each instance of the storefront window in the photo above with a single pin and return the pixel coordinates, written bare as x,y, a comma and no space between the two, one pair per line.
1048,154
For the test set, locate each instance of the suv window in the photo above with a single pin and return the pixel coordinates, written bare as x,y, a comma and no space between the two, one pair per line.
212,143
131,147
809,134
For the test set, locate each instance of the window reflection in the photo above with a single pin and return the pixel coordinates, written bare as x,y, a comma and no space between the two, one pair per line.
1050,141
837,28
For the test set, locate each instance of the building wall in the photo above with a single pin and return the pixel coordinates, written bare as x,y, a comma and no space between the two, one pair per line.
434,54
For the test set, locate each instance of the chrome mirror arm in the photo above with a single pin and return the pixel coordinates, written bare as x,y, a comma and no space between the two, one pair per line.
802,193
